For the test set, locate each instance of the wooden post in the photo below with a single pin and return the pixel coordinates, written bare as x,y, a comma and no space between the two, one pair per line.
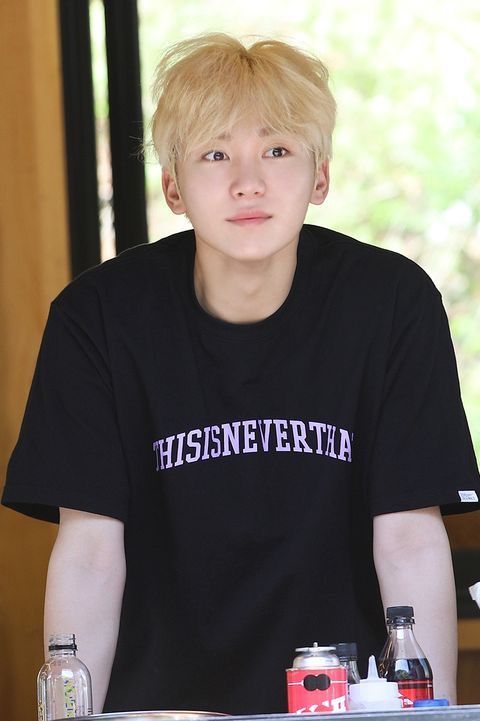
33,268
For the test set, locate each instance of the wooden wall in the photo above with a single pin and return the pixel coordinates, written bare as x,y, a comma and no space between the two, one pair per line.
33,268
464,532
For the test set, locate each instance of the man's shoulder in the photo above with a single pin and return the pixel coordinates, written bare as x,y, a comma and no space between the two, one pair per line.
131,273
348,246
368,263
135,260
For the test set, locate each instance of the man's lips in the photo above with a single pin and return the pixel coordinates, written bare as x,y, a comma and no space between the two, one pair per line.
249,217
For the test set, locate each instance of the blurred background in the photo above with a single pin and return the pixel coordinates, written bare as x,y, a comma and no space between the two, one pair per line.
75,80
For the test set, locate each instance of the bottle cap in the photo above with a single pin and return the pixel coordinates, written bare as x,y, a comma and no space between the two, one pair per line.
374,692
347,650
61,642
424,702
400,613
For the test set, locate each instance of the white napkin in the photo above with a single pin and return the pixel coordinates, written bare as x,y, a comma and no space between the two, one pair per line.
475,592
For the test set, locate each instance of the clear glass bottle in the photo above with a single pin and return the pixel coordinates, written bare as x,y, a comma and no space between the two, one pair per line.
64,686
402,660
348,655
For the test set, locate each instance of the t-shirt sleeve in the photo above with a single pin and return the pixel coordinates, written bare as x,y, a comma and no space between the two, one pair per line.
422,453
69,452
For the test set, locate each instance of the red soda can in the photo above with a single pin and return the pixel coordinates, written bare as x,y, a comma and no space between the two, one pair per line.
317,682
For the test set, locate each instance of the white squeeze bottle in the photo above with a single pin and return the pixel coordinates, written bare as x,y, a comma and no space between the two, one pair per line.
374,693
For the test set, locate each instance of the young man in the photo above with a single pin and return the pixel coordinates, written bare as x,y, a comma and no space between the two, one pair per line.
249,428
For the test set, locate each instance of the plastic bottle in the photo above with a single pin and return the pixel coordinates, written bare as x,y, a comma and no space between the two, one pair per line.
64,686
402,660
374,693
348,654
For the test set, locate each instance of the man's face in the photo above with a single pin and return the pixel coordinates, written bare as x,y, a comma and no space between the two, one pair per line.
247,194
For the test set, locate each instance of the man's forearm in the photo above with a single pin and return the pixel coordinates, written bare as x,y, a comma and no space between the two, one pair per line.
419,573
85,598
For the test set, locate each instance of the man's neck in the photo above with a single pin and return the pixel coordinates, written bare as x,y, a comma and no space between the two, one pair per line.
243,292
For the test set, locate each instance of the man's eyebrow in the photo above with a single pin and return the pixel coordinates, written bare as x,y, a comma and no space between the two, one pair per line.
264,132
261,132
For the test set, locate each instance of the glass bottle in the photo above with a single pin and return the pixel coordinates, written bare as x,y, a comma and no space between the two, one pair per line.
348,654
402,660
64,686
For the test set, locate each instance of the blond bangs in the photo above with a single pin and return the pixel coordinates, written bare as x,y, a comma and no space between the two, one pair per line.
208,85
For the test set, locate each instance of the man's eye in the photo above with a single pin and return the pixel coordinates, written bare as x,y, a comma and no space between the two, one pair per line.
277,152
215,155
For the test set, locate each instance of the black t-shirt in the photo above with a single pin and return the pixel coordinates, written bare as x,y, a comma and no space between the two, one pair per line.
246,460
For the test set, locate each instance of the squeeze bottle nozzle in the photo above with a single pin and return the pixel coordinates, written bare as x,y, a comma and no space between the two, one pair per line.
373,671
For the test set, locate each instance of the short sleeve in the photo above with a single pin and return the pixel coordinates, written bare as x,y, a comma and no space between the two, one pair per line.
423,454
69,452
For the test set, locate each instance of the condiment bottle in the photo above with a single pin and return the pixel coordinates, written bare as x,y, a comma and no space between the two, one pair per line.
64,686
402,660
374,693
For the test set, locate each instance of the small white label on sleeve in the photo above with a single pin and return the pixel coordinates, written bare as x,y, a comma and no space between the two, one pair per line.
468,496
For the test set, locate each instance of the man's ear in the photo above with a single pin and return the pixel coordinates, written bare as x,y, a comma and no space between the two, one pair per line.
322,183
171,193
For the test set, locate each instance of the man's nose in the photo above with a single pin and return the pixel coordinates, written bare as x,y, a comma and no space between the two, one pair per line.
247,180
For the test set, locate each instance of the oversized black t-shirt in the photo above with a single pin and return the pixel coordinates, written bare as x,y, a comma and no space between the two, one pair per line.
246,460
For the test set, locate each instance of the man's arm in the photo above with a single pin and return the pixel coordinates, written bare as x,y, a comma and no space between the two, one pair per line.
414,567
85,582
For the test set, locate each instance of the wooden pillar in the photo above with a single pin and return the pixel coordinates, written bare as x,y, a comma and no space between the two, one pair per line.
33,268
464,533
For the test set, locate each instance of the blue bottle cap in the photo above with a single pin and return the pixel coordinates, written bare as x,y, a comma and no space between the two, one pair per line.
424,702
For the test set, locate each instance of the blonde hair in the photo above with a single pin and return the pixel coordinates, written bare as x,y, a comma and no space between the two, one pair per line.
206,85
